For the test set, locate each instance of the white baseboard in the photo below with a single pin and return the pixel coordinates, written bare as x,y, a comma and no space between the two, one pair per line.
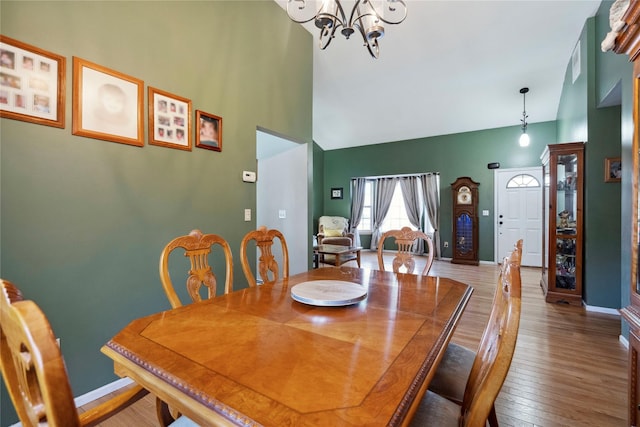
605,310
102,391
96,394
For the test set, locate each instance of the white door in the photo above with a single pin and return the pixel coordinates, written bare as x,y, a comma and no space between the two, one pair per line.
519,213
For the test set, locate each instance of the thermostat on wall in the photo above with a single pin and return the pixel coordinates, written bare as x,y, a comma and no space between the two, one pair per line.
248,176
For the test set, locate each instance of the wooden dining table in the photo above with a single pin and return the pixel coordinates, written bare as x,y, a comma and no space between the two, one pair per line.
256,356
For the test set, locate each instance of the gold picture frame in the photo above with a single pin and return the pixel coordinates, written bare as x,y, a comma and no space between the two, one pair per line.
107,104
209,131
612,169
32,83
169,120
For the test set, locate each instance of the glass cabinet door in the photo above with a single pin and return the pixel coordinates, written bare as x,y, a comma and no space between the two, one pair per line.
566,222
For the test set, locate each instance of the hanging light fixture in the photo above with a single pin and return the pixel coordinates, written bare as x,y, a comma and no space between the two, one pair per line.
367,17
524,138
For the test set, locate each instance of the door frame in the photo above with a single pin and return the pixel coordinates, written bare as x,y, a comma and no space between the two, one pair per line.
496,197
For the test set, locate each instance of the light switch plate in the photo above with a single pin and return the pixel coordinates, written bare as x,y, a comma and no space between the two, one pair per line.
485,212
247,214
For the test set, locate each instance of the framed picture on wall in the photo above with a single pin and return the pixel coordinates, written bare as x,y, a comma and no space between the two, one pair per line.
336,193
107,104
209,131
32,83
612,169
169,120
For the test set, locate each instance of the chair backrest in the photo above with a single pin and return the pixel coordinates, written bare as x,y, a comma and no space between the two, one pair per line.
198,248
497,345
405,239
32,365
330,226
268,268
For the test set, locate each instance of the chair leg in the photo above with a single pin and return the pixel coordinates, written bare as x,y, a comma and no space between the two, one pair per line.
493,418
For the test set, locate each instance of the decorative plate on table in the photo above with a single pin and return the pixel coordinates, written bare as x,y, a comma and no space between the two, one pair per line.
331,293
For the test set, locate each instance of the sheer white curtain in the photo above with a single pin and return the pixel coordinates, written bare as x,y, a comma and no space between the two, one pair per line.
357,203
382,200
410,186
430,192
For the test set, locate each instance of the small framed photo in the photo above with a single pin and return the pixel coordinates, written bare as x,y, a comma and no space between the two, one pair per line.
107,104
169,120
336,193
612,169
32,83
209,131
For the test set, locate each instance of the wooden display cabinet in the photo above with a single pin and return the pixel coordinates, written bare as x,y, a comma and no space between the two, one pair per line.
627,42
563,169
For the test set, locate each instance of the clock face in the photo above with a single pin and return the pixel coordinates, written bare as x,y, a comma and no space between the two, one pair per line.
464,196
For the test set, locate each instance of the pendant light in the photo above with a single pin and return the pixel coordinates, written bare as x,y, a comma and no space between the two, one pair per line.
524,138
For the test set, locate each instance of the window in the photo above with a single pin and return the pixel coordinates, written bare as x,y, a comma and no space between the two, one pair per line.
396,217
523,180
366,221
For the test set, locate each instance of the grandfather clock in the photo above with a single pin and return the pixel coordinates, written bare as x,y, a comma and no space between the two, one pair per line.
465,221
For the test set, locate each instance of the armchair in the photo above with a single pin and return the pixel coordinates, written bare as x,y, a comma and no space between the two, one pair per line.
334,230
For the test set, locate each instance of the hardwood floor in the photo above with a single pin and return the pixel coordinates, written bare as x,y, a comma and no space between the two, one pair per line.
569,367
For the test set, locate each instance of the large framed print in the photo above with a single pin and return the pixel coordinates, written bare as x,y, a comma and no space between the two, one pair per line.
107,104
32,83
169,120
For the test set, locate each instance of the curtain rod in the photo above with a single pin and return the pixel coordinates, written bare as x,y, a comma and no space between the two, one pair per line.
396,176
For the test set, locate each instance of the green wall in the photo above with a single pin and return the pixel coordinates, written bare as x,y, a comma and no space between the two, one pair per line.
83,221
464,154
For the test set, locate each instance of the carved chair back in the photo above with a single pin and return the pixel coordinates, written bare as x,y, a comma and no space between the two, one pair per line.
268,268
198,248
405,239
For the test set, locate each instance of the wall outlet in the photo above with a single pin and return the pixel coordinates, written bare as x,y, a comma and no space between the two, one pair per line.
247,214
282,214
446,244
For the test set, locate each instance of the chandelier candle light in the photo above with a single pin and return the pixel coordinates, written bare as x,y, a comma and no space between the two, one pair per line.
524,138
367,17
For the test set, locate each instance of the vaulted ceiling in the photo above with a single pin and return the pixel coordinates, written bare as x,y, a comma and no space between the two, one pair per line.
450,67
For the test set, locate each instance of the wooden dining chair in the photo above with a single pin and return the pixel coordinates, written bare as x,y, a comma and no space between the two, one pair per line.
466,383
198,248
34,371
405,239
268,268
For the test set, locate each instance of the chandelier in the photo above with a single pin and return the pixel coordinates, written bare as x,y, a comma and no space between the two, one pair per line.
367,17
524,138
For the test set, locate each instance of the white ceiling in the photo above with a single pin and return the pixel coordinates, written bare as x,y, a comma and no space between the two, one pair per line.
452,66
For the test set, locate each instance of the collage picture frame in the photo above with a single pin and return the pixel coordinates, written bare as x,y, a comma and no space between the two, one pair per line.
32,83
169,120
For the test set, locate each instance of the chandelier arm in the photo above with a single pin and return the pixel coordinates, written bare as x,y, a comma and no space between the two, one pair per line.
340,19
323,35
393,9
371,45
356,9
